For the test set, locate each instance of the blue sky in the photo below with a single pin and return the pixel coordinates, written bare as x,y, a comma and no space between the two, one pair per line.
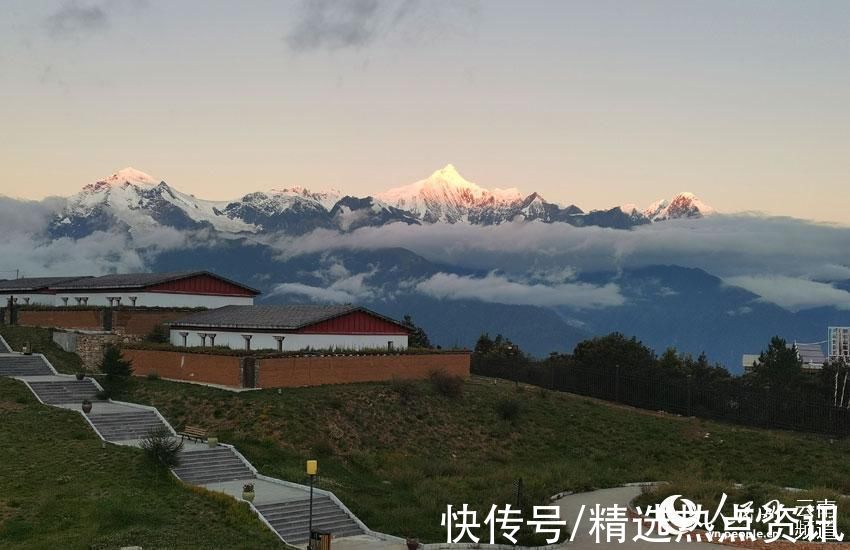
594,103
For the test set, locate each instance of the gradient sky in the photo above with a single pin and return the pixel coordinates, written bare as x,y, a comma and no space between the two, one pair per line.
595,103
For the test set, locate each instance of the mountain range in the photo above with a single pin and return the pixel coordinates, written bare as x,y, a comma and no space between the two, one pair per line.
463,259
133,200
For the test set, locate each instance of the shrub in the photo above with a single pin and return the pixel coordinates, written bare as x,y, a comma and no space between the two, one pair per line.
161,447
153,376
158,335
508,409
447,384
407,390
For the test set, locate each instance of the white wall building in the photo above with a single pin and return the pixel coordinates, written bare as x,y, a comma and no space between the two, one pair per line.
196,289
290,328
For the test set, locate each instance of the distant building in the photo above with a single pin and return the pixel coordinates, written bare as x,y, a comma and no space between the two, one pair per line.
838,343
811,355
748,360
182,289
290,328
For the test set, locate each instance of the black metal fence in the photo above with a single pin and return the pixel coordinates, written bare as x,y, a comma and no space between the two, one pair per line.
725,400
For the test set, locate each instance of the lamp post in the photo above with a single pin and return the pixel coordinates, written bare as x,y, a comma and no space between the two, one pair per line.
312,470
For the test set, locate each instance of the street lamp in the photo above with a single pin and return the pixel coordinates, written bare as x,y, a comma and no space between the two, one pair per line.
312,470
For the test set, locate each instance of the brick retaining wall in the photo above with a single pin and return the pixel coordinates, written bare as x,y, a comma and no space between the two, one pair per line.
193,367
135,322
289,372
85,319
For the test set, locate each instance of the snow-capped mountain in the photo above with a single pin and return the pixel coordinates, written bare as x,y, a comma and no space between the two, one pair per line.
683,205
448,197
135,201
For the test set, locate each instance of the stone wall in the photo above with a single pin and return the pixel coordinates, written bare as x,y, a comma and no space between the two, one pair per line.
287,372
90,346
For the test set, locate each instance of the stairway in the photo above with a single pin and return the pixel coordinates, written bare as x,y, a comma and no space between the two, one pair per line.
199,465
212,465
291,519
65,391
124,426
24,365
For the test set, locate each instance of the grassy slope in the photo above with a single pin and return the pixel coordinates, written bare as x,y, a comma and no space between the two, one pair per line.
398,464
60,489
41,341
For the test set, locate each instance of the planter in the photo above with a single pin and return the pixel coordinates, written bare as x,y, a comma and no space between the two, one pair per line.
80,375
248,492
412,544
87,406
212,441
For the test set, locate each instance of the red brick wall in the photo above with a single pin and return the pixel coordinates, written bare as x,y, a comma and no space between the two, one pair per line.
288,372
195,367
142,322
88,319
124,321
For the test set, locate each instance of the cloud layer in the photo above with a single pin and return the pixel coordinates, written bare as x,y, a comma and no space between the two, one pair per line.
793,293
741,249
501,290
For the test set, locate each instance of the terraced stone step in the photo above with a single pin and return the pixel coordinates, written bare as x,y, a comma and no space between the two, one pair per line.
211,466
125,426
24,365
292,519
66,391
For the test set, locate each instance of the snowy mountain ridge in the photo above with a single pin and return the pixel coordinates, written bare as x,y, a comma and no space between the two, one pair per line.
137,201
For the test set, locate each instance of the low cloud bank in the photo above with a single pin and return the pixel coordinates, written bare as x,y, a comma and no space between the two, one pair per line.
499,289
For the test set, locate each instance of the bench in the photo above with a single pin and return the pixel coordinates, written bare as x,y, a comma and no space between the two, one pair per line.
193,432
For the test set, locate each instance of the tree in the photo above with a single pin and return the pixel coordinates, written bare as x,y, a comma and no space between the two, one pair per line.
614,350
417,338
114,365
779,366
484,345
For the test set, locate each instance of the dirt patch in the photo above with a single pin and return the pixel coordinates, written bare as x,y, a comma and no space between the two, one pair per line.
9,406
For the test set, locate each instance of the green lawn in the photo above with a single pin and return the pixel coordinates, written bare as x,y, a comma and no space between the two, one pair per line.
397,463
41,340
60,489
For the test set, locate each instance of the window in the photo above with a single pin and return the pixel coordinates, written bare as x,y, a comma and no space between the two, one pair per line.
247,338
184,335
